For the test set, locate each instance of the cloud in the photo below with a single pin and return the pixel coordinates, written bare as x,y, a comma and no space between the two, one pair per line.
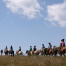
29,8
57,14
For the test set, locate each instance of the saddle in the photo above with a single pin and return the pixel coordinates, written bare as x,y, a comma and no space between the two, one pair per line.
20,52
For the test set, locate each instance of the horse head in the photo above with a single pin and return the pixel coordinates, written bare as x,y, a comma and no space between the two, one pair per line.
27,51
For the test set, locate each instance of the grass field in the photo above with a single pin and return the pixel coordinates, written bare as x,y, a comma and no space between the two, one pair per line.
32,61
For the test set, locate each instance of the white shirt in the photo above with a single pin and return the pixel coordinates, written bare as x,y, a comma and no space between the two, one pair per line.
50,46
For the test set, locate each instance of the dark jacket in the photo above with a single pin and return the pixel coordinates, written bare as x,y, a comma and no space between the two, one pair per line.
11,48
19,49
34,49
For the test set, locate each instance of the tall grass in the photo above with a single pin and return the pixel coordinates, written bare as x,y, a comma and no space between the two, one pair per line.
32,61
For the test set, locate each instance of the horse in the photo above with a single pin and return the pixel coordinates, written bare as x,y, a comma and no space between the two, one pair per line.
44,52
39,51
1,52
62,50
19,52
33,52
6,52
11,52
29,52
36,52
55,51
49,52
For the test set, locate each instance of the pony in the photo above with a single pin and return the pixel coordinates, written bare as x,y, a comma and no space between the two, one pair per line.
63,50
6,52
43,52
11,52
55,51
1,52
33,52
49,52
29,52
19,52
36,52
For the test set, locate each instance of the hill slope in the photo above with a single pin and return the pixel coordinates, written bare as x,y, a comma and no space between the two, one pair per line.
32,61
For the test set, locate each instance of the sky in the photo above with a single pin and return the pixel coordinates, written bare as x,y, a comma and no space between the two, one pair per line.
27,23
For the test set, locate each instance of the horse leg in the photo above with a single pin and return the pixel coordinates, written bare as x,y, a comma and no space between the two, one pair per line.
64,54
54,54
44,53
9,54
60,54
1,53
49,55
5,54
13,54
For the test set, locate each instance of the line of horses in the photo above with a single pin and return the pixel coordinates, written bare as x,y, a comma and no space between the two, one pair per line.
43,53
49,52
8,52
11,52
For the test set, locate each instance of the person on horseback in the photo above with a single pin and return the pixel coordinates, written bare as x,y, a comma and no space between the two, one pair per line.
11,48
6,48
6,51
54,47
49,46
34,49
62,43
19,48
30,49
43,47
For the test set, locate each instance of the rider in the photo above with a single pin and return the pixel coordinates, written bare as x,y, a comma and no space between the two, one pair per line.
19,48
62,43
6,48
11,48
49,46
30,49
34,49
43,47
54,47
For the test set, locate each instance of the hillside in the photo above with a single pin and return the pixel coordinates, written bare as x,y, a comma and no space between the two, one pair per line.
32,61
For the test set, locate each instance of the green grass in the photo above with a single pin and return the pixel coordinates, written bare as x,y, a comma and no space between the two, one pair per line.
32,61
